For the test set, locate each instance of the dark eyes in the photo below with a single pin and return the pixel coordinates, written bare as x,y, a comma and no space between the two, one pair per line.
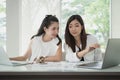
72,26
55,28
77,26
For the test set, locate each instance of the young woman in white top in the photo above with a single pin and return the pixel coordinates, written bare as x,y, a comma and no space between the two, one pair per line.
80,46
46,44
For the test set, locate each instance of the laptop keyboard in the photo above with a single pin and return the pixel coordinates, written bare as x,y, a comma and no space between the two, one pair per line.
92,64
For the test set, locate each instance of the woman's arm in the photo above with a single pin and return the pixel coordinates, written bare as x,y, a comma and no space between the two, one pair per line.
57,57
25,56
87,50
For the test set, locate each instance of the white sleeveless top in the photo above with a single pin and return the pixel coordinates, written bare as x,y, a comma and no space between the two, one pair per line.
41,48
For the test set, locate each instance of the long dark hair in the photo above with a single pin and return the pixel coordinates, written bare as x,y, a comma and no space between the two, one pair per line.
46,23
69,39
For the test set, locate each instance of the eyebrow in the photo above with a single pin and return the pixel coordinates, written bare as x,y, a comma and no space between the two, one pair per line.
75,23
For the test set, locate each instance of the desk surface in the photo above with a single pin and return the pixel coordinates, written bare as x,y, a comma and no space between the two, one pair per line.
54,67
57,68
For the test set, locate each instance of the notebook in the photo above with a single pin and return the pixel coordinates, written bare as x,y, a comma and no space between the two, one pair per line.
4,59
111,57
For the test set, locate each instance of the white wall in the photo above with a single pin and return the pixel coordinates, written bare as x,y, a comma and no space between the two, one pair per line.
115,18
14,29
13,23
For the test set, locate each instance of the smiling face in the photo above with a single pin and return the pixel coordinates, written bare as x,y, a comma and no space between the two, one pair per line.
75,28
53,30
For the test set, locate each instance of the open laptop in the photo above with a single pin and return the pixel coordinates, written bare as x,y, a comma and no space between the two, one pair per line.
111,57
4,59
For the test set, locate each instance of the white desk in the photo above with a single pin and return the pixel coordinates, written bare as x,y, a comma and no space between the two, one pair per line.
56,70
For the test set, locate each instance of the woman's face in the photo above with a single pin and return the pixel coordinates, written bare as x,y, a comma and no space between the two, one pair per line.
75,28
52,30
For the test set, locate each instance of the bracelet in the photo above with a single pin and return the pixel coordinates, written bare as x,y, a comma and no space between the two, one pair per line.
41,59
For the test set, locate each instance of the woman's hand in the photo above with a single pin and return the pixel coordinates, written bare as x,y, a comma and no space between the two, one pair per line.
39,60
92,47
96,45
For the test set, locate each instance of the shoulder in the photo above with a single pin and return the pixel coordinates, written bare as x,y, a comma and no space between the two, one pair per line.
36,39
91,39
56,40
66,46
91,36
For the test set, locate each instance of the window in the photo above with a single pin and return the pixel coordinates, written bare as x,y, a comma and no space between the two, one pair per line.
3,23
96,16
33,12
95,13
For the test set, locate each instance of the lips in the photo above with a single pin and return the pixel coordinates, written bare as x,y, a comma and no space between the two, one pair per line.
74,32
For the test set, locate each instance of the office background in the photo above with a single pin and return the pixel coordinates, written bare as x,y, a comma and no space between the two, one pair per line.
15,32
